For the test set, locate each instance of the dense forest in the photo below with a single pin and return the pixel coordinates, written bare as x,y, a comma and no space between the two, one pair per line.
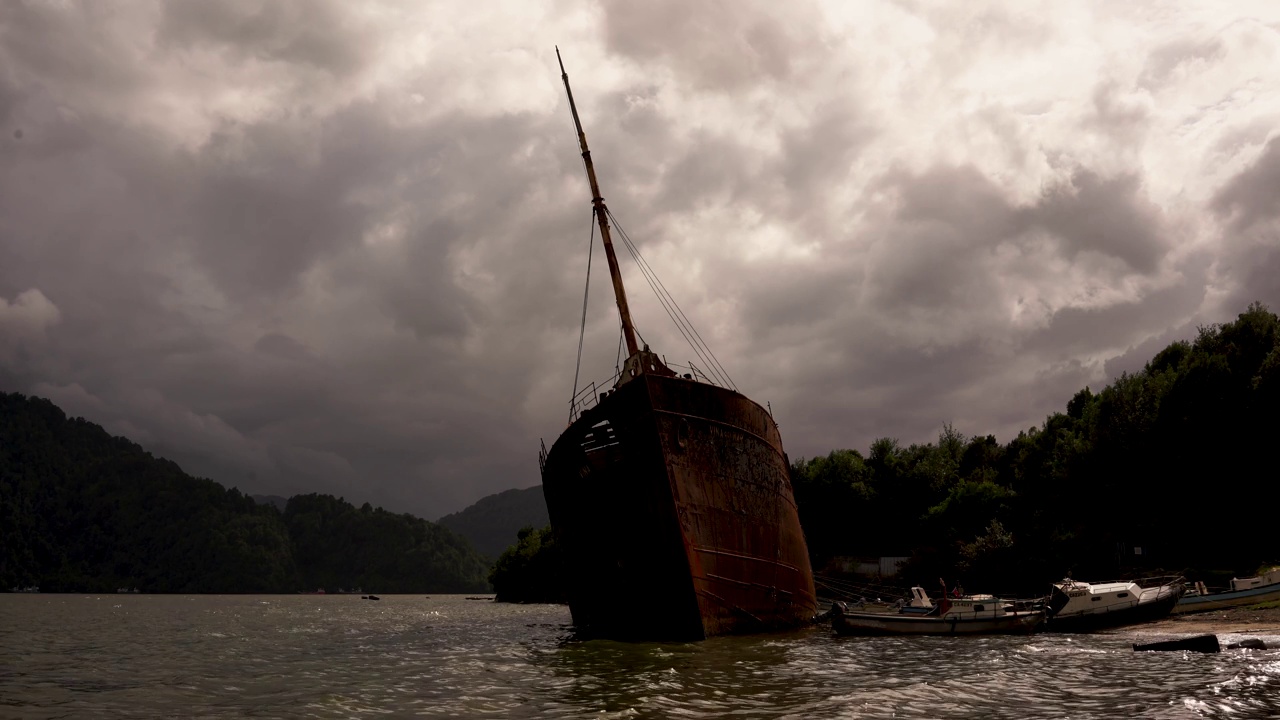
1164,470
337,545
491,523
81,510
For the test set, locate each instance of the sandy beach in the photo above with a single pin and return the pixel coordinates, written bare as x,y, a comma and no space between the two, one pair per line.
1228,621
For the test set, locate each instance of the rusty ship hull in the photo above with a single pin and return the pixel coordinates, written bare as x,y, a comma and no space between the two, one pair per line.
672,502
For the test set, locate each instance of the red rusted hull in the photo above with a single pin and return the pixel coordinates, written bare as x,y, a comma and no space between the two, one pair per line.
673,504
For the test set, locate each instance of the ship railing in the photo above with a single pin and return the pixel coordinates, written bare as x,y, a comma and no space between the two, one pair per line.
588,397
692,372
591,395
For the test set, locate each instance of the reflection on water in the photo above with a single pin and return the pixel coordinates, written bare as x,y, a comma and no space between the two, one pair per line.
141,656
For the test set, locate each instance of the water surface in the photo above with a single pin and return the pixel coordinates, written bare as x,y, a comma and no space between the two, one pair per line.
337,656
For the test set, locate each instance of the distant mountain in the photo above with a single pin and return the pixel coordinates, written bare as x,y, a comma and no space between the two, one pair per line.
491,524
83,511
275,501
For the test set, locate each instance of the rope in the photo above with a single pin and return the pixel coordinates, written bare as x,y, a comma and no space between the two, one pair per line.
582,333
672,308
617,358
674,312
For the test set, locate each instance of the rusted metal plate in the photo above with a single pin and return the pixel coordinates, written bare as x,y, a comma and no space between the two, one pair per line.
672,500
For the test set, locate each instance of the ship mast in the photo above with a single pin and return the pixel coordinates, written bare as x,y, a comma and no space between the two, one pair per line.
602,216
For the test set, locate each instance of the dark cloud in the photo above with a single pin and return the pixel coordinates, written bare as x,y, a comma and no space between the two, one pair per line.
1251,197
1076,331
312,33
75,48
1110,216
314,247
1248,269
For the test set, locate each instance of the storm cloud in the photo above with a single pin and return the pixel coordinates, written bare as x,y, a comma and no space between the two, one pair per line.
337,247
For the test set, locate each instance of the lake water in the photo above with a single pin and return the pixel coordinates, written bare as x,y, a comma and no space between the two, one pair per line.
156,656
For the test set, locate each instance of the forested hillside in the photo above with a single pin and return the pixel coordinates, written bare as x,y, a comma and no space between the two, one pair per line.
337,545
492,522
81,510
1173,462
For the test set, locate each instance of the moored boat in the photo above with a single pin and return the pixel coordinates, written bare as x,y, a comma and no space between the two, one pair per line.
671,499
972,615
1083,607
1243,591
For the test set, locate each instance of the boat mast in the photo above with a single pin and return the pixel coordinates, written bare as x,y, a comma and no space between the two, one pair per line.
602,216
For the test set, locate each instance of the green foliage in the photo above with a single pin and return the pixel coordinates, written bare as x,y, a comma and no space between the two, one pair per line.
987,560
532,570
81,510
1171,459
829,490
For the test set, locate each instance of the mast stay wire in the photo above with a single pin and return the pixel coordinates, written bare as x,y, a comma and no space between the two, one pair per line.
677,315
678,318
582,332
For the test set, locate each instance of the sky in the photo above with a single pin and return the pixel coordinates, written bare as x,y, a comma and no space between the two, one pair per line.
341,247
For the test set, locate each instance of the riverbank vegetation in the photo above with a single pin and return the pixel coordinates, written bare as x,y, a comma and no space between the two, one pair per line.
81,510
530,571
1168,468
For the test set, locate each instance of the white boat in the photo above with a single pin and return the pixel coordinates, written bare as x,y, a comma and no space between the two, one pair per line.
1244,591
970,615
1076,606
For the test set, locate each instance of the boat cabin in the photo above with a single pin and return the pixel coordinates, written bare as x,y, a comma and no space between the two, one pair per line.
1086,599
1271,577
976,606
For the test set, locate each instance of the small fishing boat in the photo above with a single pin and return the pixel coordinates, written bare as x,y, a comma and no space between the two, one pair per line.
970,615
1244,591
1076,606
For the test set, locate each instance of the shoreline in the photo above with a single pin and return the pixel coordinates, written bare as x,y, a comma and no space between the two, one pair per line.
1228,621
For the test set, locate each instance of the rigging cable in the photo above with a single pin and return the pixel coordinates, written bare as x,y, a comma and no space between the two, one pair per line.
582,333
673,310
677,315
617,359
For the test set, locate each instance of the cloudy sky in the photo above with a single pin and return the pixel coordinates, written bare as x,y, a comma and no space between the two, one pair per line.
341,247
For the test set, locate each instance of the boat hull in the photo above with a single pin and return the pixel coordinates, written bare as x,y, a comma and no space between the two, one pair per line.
672,503
912,624
1142,612
1217,601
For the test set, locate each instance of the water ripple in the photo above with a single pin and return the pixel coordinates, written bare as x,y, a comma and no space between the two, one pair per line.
407,656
